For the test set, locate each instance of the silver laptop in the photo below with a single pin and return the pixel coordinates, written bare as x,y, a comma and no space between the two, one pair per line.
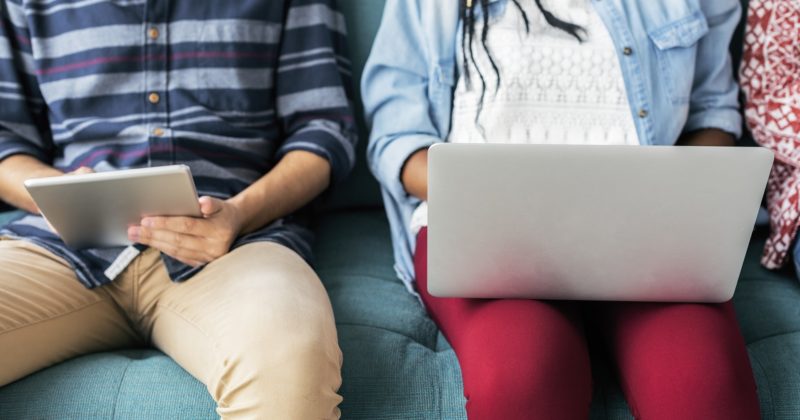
621,223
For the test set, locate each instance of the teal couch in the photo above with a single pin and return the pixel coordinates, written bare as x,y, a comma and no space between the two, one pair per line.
396,363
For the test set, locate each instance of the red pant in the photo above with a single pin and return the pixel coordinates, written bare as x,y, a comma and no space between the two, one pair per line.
526,358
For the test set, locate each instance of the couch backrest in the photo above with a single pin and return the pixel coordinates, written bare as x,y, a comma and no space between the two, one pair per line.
360,189
737,47
738,37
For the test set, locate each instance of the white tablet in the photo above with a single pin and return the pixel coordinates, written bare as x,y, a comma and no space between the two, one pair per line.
95,210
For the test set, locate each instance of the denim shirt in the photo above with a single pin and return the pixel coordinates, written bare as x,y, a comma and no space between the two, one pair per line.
673,54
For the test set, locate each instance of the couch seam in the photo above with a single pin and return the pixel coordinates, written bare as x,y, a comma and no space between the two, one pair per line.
769,388
439,399
119,387
771,337
391,331
344,270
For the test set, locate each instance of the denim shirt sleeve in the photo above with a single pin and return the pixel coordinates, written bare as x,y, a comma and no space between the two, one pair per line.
395,90
714,102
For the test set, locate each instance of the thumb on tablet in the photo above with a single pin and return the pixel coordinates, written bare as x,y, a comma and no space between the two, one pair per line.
209,206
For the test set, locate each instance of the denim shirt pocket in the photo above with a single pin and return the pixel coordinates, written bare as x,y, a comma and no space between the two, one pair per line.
676,51
441,86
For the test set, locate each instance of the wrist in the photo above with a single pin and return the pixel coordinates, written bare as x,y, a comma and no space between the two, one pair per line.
237,215
414,174
244,214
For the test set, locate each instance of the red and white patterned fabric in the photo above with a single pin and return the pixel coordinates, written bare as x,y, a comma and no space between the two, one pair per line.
770,77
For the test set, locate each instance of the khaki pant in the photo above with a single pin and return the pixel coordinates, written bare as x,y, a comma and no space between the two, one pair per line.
256,326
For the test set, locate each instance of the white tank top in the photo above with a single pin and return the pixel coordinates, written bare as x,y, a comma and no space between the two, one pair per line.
554,90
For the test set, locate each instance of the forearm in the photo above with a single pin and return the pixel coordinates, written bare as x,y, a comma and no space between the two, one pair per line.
415,174
707,137
296,180
14,171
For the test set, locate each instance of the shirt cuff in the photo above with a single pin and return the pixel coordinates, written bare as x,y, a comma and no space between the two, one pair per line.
393,157
727,120
11,146
334,146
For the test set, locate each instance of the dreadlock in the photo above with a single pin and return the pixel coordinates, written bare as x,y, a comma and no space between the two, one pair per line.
468,36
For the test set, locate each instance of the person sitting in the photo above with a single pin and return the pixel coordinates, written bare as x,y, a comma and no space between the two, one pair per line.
560,72
255,98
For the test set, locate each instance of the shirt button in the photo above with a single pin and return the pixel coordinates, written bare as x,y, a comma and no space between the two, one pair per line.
627,50
643,113
153,33
158,132
153,98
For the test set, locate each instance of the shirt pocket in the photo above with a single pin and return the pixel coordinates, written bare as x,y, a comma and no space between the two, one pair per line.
233,64
441,84
676,44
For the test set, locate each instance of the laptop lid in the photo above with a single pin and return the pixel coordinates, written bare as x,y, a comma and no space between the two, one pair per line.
620,223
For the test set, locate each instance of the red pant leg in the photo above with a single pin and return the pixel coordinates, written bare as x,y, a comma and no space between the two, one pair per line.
520,359
681,361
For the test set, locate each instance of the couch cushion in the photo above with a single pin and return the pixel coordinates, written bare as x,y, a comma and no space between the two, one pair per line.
766,301
132,384
396,365
768,306
776,365
353,255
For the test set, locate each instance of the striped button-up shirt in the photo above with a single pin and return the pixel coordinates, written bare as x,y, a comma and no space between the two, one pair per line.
227,88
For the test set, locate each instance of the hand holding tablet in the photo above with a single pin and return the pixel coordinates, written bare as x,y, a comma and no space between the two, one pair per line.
93,210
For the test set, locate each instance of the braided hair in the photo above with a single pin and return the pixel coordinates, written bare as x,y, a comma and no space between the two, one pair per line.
468,37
